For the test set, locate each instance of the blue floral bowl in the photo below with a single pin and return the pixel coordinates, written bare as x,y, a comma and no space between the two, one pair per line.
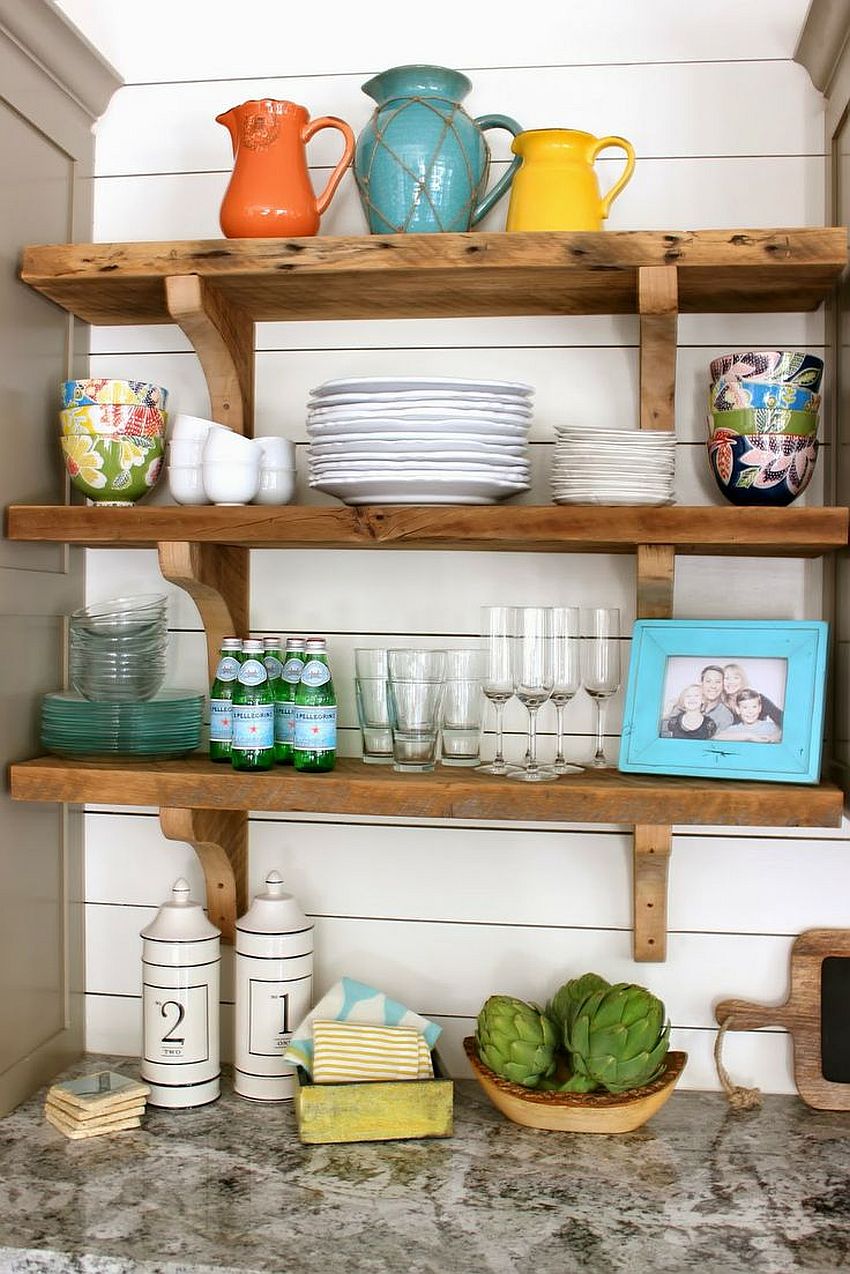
730,394
768,469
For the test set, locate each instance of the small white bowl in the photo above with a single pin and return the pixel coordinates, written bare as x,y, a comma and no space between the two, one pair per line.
277,486
184,452
231,483
191,428
231,448
186,483
278,453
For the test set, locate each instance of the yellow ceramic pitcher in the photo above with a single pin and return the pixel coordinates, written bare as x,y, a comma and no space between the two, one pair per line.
556,187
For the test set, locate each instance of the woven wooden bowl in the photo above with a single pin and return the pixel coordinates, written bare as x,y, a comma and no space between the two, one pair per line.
577,1112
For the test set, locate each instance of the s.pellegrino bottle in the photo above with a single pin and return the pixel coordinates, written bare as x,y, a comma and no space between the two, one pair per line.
315,712
252,745
284,708
273,659
221,696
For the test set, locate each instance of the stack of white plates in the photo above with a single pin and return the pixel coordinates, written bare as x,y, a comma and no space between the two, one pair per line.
419,439
613,466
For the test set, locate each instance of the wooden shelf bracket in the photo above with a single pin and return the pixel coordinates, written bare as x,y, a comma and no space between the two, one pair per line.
220,839
216,578
651,859
658,305
222,335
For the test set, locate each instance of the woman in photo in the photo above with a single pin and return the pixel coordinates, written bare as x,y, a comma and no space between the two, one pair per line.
734,681
754,726
687,720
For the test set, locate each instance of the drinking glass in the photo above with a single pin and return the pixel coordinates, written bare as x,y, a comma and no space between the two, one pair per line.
566,674
463,706
373,708
416,684
601,667
533,680
498,629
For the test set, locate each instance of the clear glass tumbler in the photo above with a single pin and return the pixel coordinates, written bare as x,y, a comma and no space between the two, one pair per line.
463,707
416,686
373,707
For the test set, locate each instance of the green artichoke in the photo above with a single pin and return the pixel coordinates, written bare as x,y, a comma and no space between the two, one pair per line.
516,1040
618,1039
568,999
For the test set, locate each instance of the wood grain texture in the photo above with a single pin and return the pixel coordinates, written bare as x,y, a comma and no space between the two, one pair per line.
222,336
216,577
800,1015
445,275
220,839
378,1111
794,531
658,305
652,846
655,577
354,788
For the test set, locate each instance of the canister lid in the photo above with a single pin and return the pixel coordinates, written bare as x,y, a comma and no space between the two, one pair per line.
180,919
274,911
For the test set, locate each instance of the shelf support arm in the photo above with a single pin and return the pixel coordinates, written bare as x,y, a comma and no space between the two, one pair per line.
220,840
222,336
651,859
658,305
216,578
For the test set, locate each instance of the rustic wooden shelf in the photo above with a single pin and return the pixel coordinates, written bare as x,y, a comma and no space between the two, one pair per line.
788,532
354,788
444,275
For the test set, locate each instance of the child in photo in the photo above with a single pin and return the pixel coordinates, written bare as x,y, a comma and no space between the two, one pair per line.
754,725
688,720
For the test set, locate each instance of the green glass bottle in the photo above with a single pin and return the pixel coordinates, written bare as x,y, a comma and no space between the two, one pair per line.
315,712
273,659
284,707
252,745
221,696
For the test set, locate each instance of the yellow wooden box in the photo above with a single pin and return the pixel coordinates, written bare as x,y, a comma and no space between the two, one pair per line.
378,1111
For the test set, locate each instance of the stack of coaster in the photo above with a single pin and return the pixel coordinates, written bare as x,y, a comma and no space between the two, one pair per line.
96,1104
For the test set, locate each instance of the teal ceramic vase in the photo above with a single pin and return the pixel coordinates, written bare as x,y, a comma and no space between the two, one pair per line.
422,163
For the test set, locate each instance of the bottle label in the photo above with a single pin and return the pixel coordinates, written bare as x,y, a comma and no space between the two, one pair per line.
252,673
228,668
273,666
291,671
315,727
176,1025
284,723
221,720
253,726
315,673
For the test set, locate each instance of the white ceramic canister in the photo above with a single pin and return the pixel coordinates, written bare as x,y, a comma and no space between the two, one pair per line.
181,960
274,990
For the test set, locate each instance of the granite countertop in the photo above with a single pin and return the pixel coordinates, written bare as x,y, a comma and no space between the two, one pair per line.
229,1187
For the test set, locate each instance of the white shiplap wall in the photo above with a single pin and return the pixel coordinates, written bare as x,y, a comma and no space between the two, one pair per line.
445,915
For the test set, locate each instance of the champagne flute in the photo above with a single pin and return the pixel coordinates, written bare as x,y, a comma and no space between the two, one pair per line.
601,666
566,675
533,677
498,629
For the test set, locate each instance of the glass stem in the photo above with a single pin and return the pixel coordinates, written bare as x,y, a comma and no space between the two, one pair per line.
532,738
599,757
559,708
499,757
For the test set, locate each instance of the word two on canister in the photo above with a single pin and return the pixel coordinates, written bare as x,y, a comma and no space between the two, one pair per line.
181,959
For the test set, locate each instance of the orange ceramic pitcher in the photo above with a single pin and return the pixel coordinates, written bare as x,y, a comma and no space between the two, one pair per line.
270,193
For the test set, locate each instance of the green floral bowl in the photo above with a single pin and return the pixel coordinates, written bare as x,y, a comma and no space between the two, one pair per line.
116,471
765,420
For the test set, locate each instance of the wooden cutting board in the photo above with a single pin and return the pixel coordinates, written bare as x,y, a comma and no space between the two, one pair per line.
816,1015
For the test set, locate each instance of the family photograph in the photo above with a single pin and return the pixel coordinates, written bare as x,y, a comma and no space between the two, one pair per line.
737,701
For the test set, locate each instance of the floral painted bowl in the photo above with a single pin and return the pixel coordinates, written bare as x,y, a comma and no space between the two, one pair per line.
729,394
765,420
138,393
770,364
114,420
113,471
768,469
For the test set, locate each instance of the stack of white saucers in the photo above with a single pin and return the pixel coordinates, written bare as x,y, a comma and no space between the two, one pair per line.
419,439
613,466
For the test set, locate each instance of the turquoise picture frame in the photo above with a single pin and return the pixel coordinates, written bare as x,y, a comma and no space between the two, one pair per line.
654,740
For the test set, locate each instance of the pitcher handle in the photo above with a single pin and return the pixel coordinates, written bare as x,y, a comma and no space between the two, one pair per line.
314,126
496,121
602,144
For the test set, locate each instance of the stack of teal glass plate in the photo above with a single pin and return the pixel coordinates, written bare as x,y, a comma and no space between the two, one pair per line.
167,726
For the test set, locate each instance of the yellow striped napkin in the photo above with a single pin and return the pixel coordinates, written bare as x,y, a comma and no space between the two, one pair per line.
354,1052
